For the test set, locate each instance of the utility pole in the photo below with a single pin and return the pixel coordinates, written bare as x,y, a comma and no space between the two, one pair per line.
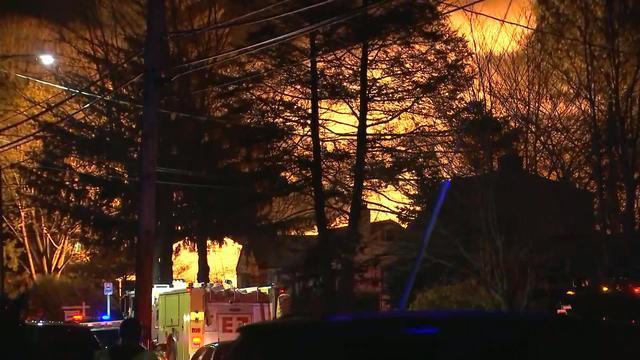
148,164
1,239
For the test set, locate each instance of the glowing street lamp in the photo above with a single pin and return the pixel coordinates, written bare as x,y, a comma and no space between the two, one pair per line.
46,59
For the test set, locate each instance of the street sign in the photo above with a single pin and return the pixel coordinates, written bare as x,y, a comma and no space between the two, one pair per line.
108,288
108,291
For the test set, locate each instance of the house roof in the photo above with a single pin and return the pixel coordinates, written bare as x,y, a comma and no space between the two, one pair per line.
517,203
290,251
284,251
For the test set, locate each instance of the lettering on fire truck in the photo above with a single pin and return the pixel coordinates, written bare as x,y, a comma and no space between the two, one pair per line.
229,323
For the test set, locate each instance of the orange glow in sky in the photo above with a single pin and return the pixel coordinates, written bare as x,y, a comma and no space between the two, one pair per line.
222,261
484,35
490,35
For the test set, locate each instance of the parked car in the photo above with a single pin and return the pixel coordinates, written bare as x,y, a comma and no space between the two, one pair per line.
55,341
615,299
458,335
215,351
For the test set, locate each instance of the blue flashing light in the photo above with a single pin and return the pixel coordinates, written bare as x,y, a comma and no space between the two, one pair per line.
423,330
106,317
340,318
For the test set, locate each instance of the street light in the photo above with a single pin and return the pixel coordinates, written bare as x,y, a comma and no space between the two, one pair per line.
46,59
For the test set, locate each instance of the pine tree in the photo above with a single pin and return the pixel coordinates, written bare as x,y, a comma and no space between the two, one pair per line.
219,163
407,82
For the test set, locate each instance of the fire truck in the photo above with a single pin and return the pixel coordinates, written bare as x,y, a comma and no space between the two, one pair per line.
195,316
127,301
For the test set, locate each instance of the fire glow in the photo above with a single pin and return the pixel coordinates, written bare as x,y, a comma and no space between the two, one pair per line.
222,261
490,35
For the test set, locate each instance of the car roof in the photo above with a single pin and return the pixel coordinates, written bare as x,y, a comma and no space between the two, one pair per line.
392,316
219,344
54,324
403,322
408,334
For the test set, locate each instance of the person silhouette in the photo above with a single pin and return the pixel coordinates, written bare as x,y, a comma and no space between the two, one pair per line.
129,347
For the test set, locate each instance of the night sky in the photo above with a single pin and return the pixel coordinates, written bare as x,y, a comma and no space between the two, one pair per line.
60,11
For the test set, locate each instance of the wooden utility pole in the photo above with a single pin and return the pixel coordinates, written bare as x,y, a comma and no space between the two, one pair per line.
2,293
148,163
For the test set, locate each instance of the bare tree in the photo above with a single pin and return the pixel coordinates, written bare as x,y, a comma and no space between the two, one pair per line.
594,61
50,241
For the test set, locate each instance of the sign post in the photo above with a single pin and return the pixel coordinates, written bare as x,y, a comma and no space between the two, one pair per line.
108,291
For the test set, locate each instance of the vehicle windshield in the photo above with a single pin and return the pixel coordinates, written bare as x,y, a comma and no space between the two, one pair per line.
106,337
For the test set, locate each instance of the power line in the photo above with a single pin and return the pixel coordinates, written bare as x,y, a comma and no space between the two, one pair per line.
88,94
76,92
502,20
42,112
110,99
234,22
536,29
37,104
256,47
129,103
459,7
235,53
84,92
278,68
63,101
131,179
30,137
159,169
176,113
227,23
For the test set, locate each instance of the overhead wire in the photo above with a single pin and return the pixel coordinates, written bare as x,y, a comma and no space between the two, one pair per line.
249,49
84,91
110,99
76,92
455,7
30,137
538,30
282,67
63,101
130,179
234,23
159,169
238,52
36,104
228,23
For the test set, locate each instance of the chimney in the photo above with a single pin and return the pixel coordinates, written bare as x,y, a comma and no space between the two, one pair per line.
510,162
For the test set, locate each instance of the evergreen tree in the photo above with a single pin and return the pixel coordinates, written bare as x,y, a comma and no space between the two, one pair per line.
218,160
373,105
